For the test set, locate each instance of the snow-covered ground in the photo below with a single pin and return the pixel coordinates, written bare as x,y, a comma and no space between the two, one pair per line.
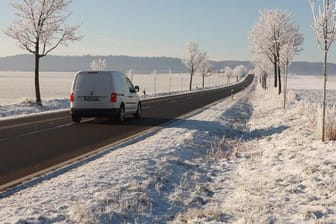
311,82
240,161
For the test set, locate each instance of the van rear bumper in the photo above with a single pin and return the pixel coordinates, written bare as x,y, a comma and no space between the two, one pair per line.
94,112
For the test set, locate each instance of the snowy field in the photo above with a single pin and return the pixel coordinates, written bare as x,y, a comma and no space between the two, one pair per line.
310,88
240,161
310,82
17,89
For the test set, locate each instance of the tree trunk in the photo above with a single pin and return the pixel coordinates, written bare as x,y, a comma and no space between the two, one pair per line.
275,73
37,78
277,59
203,77
191,77
279,77
285,86
324,94
264,81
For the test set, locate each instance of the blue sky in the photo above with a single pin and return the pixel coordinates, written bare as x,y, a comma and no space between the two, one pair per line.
163,27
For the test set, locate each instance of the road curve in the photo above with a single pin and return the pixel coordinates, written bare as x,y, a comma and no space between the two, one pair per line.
34,143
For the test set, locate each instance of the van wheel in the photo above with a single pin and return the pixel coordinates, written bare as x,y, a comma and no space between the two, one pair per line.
121,115
138,113
75,119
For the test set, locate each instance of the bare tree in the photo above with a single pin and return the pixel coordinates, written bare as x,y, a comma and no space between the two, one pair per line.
204,67
228,72
262,69
98,64
274,29
40,28
192,60
287,55
262,43
324,22
239,70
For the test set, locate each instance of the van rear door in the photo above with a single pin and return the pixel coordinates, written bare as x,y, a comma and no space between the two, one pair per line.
93,89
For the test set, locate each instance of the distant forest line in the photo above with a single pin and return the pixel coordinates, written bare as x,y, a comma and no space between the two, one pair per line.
136,64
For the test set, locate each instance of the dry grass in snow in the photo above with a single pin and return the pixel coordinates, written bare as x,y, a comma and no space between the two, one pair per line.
280,171
313,111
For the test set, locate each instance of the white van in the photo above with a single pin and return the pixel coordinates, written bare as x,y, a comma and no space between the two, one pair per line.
103,94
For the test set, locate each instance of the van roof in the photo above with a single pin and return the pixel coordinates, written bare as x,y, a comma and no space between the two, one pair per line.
93,71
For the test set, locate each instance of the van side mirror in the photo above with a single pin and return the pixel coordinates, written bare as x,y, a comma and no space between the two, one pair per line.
136,88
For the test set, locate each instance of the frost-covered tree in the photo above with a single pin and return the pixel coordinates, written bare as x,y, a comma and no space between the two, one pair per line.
287,55
274,29
262,69
98,64
228,73
239,70
204,67
192,60
40,28
324,25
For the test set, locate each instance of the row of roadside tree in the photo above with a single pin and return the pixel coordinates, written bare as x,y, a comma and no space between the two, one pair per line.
276,40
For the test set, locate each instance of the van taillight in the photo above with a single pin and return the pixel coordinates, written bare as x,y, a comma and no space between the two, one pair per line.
113,97
72,97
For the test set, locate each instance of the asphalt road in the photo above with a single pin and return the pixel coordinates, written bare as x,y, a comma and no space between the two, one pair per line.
34,143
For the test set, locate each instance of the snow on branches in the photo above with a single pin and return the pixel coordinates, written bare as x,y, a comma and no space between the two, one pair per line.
39,28
324,22
40,25
98,64
272,32
195,60
324,25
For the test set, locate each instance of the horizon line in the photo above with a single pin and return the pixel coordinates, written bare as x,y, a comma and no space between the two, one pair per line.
122,55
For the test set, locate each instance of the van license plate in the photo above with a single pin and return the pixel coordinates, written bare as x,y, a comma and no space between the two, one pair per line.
91,98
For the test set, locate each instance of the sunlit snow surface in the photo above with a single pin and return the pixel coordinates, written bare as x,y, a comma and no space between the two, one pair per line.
310,88
29,107
240,161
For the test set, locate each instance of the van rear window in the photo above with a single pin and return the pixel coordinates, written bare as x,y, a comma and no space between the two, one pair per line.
93,81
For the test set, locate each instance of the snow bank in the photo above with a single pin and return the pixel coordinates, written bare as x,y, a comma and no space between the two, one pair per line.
28,107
